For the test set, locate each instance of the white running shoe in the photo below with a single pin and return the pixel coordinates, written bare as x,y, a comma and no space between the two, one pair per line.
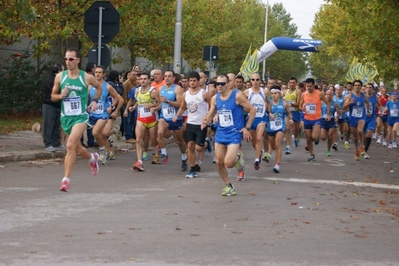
374,136
379,140
394,144
384,143
390,146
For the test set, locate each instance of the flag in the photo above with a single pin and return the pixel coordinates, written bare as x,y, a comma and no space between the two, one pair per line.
252,66
365,73
244,64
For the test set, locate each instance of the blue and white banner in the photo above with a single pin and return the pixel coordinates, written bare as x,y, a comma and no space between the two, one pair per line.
284,43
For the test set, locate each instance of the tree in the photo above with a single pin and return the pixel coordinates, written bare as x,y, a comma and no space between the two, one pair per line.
362,29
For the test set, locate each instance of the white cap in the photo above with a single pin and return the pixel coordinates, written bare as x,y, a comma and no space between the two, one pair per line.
336,86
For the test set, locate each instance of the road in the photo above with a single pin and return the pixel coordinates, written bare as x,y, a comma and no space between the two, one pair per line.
334,211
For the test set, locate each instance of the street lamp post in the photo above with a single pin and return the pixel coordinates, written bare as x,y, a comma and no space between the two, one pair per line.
265,38
178,31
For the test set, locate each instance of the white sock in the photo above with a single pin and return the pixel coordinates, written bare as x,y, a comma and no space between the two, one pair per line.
92,159
65,179
184,156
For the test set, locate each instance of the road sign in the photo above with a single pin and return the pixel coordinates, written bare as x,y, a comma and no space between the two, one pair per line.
105,55
211,53
104,12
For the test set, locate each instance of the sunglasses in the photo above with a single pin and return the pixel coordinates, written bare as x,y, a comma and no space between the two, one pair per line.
220,84
70,59
255,79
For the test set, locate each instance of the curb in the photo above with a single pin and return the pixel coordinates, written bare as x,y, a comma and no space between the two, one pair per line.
17,156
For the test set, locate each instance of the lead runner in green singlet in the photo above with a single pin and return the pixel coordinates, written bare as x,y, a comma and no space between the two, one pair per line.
71,88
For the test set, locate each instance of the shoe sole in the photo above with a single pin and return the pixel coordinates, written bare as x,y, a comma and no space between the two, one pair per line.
138,168
64,189
276,171
164,161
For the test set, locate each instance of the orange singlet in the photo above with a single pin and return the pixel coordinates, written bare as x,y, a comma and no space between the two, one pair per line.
313,105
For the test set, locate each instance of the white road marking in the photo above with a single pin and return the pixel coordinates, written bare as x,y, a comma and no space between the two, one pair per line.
329,182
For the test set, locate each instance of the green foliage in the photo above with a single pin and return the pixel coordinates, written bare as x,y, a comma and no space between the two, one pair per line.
21,85
147,30
362,29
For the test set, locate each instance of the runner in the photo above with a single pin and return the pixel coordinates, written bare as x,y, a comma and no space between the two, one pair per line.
148,104
292,95
99,117
392,107
382,118
276,126
371,117
358,104
71,88
259,98
311,105
171,96
230,105
195,100
329,128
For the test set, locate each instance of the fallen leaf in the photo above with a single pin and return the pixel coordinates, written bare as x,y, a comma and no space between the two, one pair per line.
317,203
177,228
251,193
181,196
101,233
238,233
131,258
68,235
294,203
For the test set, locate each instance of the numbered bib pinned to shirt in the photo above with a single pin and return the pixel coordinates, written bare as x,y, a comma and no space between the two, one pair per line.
357,112
72,105
311,108
226,118
168,111
144,112
276,123
260,111
100,108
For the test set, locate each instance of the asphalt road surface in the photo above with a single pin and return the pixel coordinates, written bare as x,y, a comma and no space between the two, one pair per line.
334,211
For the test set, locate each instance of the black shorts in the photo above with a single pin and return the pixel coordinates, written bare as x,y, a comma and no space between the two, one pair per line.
194,133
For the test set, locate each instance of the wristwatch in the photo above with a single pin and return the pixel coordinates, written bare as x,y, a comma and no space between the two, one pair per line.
167,101
95,100
248,128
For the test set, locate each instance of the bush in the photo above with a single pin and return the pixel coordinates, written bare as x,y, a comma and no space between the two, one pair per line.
21,85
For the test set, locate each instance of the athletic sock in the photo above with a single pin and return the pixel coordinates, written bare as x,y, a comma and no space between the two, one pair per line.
183,157
367,142
92,159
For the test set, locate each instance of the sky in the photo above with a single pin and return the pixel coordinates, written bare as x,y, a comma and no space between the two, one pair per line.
302,13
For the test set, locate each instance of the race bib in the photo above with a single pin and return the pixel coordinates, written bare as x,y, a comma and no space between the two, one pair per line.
394,112
144,112
225,119
276,124
100,108
260,111
168,111
311,108
357,112
72,105
292,108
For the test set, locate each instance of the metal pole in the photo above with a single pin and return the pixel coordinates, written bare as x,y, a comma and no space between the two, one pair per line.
210,60
265,39
100,33
178,31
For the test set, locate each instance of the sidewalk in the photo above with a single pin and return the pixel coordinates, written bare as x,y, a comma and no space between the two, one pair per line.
27,145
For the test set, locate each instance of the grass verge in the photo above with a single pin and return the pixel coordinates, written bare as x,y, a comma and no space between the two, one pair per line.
10,124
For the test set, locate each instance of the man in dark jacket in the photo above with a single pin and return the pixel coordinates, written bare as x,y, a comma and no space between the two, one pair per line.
51,115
